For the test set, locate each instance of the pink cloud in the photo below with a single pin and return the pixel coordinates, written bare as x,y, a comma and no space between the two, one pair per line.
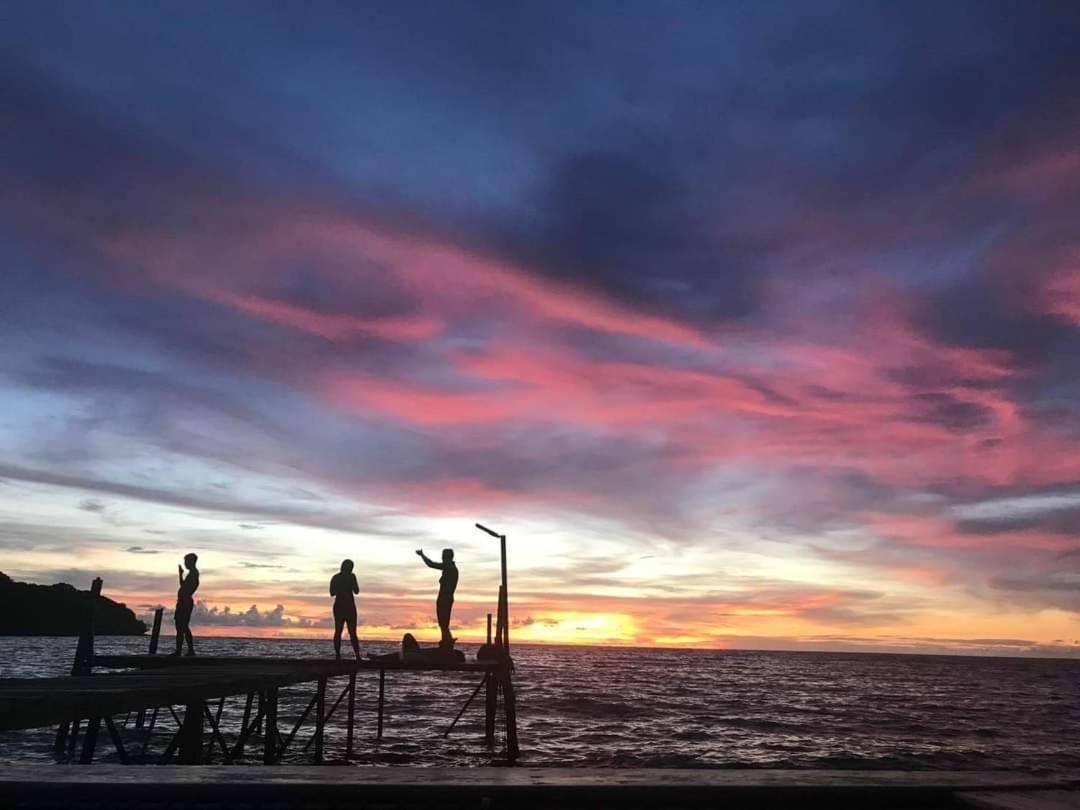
406,329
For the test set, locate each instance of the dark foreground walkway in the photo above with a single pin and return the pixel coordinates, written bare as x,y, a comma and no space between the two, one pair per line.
519,788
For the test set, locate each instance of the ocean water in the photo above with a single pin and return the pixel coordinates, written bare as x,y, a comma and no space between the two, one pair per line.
671,708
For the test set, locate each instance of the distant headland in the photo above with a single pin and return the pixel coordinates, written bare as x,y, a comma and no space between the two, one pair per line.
59,610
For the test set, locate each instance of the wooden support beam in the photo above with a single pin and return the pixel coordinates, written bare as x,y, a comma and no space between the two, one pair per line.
490,704
350,721
215,735
468,703
320,718
73,737
117,741
239,748
191,731
270,735
245,732
296,728
61,739
149,733
510,710
175,741
382,693
176,717
499,621
329,714
214,723
93,725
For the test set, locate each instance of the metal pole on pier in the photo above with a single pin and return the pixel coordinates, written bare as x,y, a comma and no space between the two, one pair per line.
503,673
504,595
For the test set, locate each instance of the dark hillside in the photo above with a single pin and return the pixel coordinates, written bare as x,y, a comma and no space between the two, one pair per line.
59,610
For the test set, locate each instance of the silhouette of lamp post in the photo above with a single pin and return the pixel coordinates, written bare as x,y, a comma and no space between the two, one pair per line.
503,633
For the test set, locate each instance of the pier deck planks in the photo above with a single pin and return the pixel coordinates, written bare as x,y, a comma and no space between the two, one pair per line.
163,681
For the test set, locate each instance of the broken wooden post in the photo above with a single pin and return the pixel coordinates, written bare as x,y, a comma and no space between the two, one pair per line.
155,634
84,655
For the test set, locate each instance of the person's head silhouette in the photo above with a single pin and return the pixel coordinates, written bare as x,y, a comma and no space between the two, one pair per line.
346,566
447,555
190,560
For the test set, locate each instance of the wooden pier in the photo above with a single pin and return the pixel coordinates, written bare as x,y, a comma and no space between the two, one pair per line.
152,685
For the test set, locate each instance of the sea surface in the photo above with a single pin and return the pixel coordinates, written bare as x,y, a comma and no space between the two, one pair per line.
635,708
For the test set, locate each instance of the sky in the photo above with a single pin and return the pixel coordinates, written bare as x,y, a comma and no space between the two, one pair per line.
752,325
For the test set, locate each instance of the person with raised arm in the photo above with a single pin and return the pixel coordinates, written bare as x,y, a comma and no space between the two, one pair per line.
185,603
444,604
342,587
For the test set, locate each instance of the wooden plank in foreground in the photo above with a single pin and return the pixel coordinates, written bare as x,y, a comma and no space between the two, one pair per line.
516,787
1022,800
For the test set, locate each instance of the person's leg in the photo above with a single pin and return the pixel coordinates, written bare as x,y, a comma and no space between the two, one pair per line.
189,639
339,623
442,612
180,619
351,621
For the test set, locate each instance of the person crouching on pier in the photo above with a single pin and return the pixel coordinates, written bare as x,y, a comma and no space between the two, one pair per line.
444,604
185,603
342,587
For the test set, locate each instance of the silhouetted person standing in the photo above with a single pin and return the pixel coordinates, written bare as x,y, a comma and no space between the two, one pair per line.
342,587
185,603
447,585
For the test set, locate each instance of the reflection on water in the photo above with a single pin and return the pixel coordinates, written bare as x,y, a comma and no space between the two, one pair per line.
674,708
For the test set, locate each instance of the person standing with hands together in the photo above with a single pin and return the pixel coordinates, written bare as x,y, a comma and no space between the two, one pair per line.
185,603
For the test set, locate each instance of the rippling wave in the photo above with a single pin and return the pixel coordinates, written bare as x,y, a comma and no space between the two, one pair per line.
674,708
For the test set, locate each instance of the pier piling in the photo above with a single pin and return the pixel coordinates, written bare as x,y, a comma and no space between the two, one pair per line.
382,701
351,718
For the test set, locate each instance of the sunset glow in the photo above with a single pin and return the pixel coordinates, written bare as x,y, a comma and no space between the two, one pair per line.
740,348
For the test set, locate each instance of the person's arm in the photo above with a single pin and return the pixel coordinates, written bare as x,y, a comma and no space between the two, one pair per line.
180,573
355,584
332,585
430,563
